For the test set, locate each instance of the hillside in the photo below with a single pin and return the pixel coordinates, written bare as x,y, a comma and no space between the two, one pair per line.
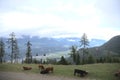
112,46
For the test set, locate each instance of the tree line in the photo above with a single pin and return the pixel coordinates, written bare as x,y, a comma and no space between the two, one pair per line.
13,52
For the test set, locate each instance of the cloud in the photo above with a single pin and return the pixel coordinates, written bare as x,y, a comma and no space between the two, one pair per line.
57,19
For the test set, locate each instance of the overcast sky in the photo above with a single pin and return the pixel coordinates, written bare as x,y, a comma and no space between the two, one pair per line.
99,19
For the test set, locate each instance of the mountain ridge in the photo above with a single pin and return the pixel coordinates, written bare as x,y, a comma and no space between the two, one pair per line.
111,47
49,45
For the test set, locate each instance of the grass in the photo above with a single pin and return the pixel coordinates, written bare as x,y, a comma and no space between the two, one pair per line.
96,71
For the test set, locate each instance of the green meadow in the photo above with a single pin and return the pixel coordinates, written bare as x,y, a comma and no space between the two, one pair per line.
101,71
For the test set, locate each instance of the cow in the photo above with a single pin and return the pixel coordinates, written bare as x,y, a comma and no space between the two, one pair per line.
27,68
82,73
117,74
44,71
50,69
41,67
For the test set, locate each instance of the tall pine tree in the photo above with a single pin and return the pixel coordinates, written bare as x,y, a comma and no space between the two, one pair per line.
2,50
63,61
12,44
29,53
77,59
84,43
73,53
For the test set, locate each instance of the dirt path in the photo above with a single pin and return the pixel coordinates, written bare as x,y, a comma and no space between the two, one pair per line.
28,76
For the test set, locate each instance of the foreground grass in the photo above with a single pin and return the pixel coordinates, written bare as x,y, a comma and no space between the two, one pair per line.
96,71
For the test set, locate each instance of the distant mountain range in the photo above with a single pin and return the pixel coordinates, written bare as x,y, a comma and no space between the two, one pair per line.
45,45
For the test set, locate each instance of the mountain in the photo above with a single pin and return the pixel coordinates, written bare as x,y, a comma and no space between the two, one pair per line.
112,46
46,45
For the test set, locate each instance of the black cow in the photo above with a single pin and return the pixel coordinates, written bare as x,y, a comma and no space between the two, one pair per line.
80,72
117,74
44,71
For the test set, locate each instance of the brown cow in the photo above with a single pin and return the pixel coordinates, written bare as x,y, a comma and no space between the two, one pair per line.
41,67
27,68
45,70
50,69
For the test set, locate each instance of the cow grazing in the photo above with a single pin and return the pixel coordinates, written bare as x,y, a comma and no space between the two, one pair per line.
27,68
41,67
82,73
46,70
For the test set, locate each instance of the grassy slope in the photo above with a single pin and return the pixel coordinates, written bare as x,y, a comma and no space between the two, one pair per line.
96,71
